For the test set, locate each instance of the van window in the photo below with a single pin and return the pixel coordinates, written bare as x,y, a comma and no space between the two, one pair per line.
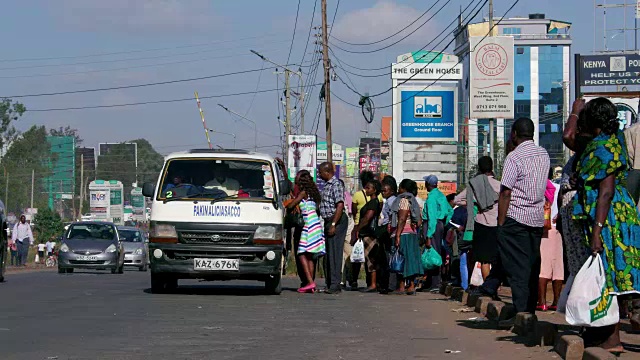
216,178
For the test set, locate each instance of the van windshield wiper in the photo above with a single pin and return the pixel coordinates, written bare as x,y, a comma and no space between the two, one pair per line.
224,198
183,197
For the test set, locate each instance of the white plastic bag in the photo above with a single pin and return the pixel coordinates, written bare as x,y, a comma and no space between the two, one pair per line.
564,295
476,275
357,253
37,259
589,303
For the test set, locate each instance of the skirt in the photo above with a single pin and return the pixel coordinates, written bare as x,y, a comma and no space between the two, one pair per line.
410,249
485,243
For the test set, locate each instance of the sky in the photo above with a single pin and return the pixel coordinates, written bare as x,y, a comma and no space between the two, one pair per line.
76,45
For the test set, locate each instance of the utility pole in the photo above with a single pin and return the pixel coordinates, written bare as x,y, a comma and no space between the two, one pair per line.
33,177
491,121
287,99
6,190
327,80
565,113
81,184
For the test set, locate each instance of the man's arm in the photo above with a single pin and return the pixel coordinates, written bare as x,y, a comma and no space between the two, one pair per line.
503,205
461,199
432,222
14,233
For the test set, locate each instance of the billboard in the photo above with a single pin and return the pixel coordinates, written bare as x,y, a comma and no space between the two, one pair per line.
433,71
61,183
491,74
385,149
302,155
337,154
99,199
369,154
426,56
138,204
446,188
428,115
607,70
88,156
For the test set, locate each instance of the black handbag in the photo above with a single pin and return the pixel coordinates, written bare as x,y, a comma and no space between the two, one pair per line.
293,219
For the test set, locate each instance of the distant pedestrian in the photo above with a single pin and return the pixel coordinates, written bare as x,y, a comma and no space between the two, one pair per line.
521,218
551,262
359,200
435,214
482,193
41,248
23,237
311,244
13,247
632,138
51,244
366,230
335,225
456,247
389,190
405,222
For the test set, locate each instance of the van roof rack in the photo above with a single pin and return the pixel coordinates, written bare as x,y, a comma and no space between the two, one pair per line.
205,151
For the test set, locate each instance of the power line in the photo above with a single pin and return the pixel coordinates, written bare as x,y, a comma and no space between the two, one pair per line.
137,51
334,17
313,15
293,36
401,39
150,102
137,85
388,37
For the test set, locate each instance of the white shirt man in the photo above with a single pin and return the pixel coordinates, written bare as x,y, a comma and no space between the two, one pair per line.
23,237
228,185
50,245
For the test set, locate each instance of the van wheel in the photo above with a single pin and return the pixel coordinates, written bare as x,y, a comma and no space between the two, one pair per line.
273,285
162,284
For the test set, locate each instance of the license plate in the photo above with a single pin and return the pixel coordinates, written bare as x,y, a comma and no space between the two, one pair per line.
216,264
87,258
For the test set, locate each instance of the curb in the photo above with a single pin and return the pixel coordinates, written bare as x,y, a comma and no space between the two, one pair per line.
570,347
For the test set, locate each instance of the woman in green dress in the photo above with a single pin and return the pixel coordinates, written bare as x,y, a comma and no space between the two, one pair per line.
605,209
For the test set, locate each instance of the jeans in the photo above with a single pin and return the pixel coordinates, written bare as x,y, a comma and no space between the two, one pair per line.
464,271
23,251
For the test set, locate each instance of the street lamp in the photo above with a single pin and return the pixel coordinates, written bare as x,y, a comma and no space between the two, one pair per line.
224,133
255,127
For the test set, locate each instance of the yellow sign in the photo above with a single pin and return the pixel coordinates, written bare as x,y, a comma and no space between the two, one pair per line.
446,188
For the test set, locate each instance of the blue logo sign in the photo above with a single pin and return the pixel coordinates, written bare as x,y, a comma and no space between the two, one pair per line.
428,115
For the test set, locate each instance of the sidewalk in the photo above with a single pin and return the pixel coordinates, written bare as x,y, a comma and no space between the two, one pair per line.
547,330
31,267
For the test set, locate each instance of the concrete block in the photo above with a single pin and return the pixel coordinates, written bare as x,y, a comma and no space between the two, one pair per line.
597,353
465,297
545,333
448,291
525,324
482,304
472,300
570,347
499,311
456,293
443,287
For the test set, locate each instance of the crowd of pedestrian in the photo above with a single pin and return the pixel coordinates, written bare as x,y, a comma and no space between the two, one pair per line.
525,230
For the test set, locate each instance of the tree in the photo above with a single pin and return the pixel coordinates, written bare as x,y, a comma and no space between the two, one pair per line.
9,112
48,224
29,152
67,131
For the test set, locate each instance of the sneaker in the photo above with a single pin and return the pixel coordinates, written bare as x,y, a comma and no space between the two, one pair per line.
332,291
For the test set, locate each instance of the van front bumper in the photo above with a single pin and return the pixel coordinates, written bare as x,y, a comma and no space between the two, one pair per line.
177,260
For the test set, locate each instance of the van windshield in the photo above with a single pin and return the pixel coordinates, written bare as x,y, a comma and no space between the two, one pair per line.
216,178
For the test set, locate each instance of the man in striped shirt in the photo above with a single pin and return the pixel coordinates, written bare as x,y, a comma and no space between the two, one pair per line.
520,219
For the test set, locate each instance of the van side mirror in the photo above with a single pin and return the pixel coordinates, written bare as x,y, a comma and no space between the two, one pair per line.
148,189
285,187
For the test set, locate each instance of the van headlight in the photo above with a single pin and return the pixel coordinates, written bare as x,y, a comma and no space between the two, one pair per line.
265,232
64,248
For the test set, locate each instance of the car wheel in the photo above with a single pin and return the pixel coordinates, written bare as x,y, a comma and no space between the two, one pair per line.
114,270
121,269
70,271
61,270
145,267
273,285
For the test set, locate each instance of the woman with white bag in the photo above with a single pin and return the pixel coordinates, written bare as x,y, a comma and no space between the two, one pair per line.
364,235
609,218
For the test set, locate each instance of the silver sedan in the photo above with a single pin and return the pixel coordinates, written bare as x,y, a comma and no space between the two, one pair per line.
91,245
136,248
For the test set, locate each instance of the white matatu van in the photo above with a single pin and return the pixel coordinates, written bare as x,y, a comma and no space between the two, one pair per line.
217,215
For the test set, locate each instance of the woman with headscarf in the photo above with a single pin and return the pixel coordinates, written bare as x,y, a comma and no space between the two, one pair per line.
608,215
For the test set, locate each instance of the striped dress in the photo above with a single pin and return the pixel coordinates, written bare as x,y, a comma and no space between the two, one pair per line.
312,239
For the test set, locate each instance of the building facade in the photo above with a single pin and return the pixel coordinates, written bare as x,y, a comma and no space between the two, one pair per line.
542,56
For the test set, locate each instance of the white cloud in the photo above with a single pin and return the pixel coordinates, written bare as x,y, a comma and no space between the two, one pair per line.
138,15
381,20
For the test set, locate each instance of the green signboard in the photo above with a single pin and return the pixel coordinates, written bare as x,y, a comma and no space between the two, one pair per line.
116,197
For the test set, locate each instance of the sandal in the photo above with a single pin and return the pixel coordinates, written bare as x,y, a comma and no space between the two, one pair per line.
553,308
542,308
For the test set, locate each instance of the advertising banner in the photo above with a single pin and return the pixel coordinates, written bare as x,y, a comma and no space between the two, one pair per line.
137,204
99,204
429,115
491,74
446,188
433,71
369,154
302,155
607,70
385,149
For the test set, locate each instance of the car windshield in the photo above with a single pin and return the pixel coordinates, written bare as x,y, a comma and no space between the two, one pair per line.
216,179
91,231
130,235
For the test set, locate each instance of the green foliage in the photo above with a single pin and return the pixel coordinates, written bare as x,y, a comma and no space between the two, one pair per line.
67,131
28,152
48,225
9,112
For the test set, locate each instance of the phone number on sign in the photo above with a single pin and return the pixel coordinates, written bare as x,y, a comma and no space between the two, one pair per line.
489,107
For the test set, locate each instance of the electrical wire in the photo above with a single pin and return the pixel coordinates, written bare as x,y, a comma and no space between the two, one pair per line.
401,39
150,102
334,17
313,15
390,36
253,98
136,85
293,36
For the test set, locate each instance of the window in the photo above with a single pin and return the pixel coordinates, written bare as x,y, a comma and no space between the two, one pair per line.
555,128
520,88
543,128
512,31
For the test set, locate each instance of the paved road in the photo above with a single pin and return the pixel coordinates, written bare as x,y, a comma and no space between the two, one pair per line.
103,316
